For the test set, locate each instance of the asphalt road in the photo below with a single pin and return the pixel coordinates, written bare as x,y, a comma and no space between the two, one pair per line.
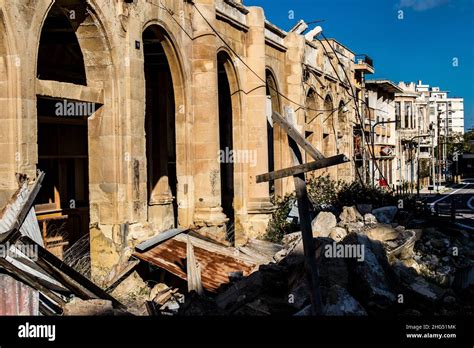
463,196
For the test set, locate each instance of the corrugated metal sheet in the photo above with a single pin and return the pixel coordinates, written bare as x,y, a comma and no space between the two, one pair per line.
215,267
17,298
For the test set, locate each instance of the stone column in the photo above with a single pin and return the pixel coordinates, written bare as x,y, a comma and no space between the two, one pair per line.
258,201
208,213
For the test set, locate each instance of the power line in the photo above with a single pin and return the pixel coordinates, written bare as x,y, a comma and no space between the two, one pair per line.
300,106
355,100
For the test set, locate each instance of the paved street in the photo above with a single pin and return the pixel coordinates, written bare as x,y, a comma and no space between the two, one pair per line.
463,196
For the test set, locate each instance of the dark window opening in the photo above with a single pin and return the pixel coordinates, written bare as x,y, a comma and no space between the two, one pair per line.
60,57
62,205
226,146
159,121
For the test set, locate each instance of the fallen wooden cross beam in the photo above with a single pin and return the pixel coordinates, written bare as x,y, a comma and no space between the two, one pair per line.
302,168
297,136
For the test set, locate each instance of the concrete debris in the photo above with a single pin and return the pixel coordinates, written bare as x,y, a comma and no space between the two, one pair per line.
337,233
385,215
364,268
340,303
382,233
370,219
90,307
364,208
133,292
350,214
323,223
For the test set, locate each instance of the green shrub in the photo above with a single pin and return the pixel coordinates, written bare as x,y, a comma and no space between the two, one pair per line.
323,191
278,225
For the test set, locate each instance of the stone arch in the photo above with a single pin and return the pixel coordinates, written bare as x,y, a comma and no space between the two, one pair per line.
329,146
231,137
342,123
97,175
85,22
157,37
274,131
8,130
312,120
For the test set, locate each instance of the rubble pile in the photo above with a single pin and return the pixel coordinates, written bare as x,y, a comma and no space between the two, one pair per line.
368,265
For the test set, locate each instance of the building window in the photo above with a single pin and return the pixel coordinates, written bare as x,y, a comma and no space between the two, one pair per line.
397,115
408,115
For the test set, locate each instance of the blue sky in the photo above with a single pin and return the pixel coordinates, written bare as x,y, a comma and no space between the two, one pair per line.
421,46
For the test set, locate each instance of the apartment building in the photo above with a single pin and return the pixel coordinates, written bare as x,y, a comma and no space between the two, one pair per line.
380,114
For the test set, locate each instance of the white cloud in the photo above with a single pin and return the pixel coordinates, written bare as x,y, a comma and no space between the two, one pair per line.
422,5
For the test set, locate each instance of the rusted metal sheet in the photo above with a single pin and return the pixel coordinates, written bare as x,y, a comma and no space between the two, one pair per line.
215,267
17,298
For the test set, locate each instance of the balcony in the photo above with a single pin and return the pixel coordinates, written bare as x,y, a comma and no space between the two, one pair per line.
364,63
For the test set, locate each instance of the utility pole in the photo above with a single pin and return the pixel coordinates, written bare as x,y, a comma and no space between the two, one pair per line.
433,170
361,108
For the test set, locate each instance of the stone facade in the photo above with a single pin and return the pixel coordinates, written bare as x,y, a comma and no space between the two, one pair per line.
199,41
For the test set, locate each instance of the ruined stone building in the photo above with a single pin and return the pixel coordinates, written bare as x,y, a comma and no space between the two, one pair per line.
129,105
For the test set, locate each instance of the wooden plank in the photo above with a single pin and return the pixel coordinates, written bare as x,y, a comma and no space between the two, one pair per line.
311,266
193,269
302,168
160,238
71,272
297,136
122,275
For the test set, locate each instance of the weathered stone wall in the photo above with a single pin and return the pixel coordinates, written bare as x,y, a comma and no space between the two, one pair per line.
111,42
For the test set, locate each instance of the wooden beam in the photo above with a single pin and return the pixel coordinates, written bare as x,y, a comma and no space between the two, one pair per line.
311,267
122,275
160,238
297,136
84,282
302,168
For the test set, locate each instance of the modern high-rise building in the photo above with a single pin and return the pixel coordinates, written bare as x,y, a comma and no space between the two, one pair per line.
449,110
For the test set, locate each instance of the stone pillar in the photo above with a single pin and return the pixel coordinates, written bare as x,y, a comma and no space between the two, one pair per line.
258,203
208,213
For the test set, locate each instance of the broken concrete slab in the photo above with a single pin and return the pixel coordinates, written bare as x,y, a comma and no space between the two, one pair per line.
368,280
88,308
381,232
337,233
323,223
386,214
338,302
350,214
